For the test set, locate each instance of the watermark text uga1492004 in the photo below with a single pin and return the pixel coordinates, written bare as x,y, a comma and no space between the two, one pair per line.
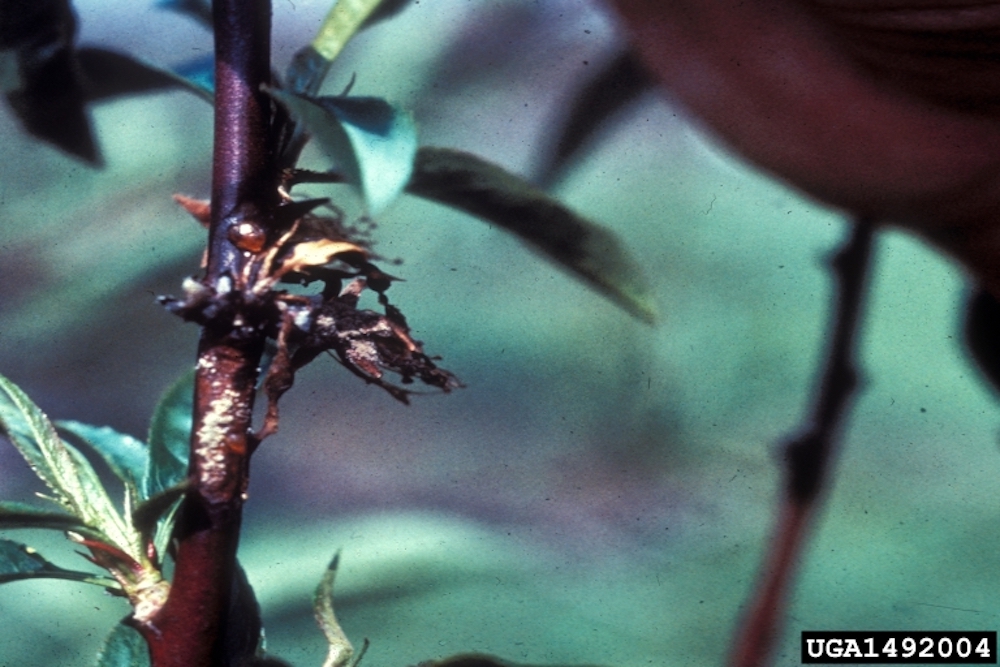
911,647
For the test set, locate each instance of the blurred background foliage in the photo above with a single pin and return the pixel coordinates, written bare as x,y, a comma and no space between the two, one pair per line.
601,490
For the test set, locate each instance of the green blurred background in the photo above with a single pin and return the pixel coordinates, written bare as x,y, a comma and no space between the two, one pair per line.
601,490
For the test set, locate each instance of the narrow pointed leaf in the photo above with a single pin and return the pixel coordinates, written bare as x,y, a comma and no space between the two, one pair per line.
126,456
64,469
587,250
306,72
613,88
199,10
165,527
109,74
340,651
369,140
170,437
149,513
18,561
344,19
22,515
244,632
124,647
198,76
310,64
17,425
386,9
39,75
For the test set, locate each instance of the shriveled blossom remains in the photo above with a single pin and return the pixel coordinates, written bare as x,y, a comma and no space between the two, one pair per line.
313,248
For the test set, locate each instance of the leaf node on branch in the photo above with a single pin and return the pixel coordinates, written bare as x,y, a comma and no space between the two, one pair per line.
312,248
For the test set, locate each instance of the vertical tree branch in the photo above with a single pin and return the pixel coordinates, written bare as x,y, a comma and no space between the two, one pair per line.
191,629
243,172
808,459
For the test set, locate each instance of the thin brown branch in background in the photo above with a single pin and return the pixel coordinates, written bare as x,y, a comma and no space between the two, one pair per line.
808,459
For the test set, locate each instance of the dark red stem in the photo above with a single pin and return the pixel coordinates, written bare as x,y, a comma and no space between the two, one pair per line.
191,629
808,459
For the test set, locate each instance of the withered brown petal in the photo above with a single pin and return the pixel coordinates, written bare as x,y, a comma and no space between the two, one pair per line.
318,253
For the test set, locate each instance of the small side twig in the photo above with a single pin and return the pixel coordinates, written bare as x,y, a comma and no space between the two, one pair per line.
808,458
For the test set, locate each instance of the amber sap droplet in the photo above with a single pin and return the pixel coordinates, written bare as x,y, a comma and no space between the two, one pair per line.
248,236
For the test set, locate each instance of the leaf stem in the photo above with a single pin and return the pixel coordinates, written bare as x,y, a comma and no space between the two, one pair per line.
808,459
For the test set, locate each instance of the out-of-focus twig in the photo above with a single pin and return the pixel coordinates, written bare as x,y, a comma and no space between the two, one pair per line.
808,458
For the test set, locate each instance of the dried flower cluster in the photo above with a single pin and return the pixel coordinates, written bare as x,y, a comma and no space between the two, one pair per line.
313,248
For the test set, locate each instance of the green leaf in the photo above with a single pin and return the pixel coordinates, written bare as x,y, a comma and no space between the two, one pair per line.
613,88
109,74
344,19
64,469
153,509
21,515
340,650
198,76
18,561
39,74
170,437
126,456
310,65
16,424
306,72
124,647
166,476
483,189
156,515
386,9
244,631
199,10
370,141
